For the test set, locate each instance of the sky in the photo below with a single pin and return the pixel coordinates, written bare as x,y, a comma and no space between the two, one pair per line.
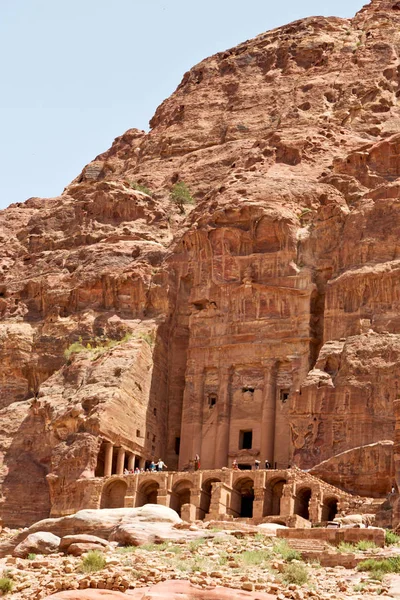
75,74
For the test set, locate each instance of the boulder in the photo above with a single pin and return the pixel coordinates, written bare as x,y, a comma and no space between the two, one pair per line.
99,522
78,549
183,590
67,540
88,595
137,534
270,528
167,590
41,542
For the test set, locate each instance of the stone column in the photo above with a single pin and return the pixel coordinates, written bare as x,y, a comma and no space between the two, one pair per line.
258,504
108,456
131,462
315,506
224,409
120,461
287,500
268,414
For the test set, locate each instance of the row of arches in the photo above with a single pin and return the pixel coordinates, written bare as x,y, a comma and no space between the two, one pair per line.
239,504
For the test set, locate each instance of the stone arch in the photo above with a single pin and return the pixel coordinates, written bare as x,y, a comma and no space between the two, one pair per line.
243,497
302,503
273,495
113,494
206,491
180,495
329,508
147,493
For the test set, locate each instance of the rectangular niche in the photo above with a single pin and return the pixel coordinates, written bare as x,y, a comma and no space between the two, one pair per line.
246,439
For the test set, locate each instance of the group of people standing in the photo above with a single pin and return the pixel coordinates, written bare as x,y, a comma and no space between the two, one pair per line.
152,468
257,464
195,464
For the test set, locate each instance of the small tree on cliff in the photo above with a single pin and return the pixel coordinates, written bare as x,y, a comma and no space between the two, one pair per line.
181,195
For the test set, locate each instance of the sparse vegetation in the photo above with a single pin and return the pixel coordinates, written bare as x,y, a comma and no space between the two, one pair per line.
126,549
378,568
92,562
74,348
254,557
6,584
149,338
140,188
96,347
155,547
359,587
285,551
364,545
31,556
346,547
181,195
391,538
195,544
295,573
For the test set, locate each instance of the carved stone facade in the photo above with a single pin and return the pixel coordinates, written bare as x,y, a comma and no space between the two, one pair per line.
286,496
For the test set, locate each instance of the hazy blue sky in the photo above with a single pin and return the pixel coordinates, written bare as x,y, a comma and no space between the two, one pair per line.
77,73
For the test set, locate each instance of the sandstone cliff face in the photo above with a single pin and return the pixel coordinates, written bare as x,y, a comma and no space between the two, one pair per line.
271,307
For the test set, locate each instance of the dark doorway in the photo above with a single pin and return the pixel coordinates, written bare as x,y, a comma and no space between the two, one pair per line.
246,490
246,440
329,509
246,509
244,467
301,505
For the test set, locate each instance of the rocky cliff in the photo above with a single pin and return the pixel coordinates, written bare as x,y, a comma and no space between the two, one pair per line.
270,306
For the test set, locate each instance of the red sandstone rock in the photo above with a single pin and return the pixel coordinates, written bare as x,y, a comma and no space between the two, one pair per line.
67,540
79,548
271,306
88,595
177,590
41,542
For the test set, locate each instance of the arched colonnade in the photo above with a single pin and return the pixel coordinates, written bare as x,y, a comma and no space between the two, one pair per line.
218,494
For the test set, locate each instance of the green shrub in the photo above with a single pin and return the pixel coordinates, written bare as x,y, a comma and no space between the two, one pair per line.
295,573
31,556
6,585
377,567
74,348
181,195
140,188
148,337
346,547
254,557
285,551
93,561
391,538
365,545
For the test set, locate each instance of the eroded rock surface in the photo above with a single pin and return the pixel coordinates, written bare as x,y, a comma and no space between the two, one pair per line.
271,306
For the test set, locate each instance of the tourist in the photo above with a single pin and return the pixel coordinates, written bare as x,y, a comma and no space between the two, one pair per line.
126,472
152,466
257,464
161,464
267,464
235,465
137,470
196,462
